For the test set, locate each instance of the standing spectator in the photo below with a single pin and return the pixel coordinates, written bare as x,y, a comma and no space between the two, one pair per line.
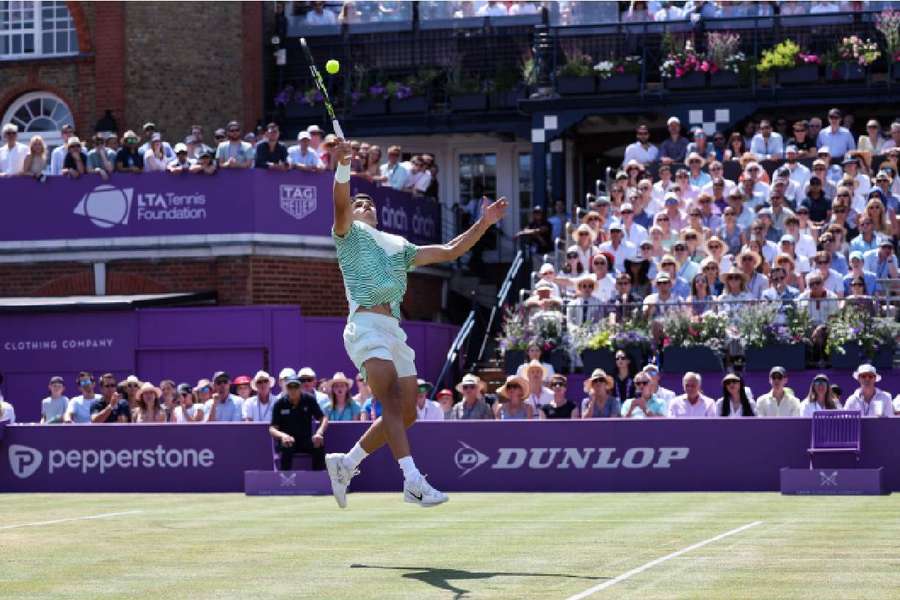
151,134
79,407
472,406
837,139
868,399
419,177
560,407
182,163
270,153
291,426
110,408
308,380
364,392
537,235
199,145
642,150
872,142
559,219
234,153
53,407
128,159
734,401
427,410
586,308
75,162
814,126
12,152
340,407
155,159
599,404
258,408
674,149
36,160
302,157
59,153
693,403
819,397
780,401
512,405
223,406
392,172
101,159
205,165
644,403
148,409
767,144
7,412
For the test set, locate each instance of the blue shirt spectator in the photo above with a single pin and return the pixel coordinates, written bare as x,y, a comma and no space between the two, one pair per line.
370,405
231,409
837,139
869,279
767,147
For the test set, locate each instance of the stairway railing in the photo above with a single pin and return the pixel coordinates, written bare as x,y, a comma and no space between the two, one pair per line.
502,294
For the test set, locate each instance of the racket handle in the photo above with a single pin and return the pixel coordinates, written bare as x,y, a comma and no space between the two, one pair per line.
337,128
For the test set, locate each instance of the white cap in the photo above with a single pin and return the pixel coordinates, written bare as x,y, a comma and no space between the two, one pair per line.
10,128
673,120
307,372
547,268
179,147
287,372
303,135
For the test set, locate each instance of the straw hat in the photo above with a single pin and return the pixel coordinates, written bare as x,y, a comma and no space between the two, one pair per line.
338,377
261,376
866,369
470,379
535,365
735,272
596,375
514,379
149,387
757,259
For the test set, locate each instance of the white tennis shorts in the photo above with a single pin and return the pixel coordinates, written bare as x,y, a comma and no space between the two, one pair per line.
372,335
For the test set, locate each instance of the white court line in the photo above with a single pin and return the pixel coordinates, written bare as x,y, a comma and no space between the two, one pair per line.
88,518
653,563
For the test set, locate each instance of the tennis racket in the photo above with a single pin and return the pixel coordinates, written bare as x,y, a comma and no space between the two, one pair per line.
317,77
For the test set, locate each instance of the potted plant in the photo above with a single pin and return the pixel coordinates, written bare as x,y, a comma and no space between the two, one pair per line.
374,102
618,75
549,333
887,23
513,339
466,93
855,336
692,343
790,65
410,96
595,347
728,66
773,336
298,105
853,57
576,76
683,67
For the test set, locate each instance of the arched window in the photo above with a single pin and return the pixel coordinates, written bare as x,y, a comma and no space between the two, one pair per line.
30,29
39,113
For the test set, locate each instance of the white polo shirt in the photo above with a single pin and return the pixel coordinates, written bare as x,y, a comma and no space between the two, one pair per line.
879,406
680,407
430,411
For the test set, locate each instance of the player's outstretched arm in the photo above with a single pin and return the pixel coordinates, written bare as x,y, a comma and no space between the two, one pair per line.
491,212
343,211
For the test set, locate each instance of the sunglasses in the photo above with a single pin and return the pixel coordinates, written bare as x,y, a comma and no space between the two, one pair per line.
186,394
233,130
640,383
469,386
777,376
110,385
558,384
710,268
621,358
307,379
666,219
732,382
513,386
857,284
585,287
593,219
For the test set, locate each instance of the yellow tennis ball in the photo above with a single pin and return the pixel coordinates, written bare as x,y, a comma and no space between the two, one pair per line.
332,66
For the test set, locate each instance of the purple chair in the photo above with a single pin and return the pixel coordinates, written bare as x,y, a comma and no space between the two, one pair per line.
835,431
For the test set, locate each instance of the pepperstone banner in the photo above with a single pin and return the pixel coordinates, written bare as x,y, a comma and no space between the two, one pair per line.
229,202
582,456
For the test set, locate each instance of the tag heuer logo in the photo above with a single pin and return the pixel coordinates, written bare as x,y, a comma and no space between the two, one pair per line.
299,201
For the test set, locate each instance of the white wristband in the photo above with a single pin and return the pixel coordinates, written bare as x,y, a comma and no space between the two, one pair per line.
342,173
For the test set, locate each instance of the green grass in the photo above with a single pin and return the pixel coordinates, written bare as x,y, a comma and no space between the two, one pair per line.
516,546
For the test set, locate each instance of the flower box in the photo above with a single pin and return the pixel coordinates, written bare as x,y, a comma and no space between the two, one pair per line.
808,73
848,71
620,82
512,360
576,85
298,110
559,360
724,79
691,81
408,106
468,102
370,106
895,71
790,356
854,355
598,359
695,358
508,99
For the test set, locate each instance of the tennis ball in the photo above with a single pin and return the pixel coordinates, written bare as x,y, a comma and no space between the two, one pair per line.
332,66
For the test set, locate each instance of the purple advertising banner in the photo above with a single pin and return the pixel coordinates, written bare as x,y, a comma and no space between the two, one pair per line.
183,344
582,456
229,202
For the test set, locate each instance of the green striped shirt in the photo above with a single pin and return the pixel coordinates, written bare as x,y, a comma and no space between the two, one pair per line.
374,265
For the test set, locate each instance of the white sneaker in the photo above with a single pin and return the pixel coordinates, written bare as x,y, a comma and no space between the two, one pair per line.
418,491
340,477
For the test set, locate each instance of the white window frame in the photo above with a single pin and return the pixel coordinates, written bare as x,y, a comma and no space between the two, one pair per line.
40,26
51,138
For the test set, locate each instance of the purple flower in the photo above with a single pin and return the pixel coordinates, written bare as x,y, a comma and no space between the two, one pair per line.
284,96
403,92
376,90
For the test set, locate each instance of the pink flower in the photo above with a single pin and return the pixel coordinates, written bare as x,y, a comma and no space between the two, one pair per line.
620,69
679,72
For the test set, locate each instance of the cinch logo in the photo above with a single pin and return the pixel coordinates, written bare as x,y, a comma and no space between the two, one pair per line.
106,206
468,458
24,461
299,201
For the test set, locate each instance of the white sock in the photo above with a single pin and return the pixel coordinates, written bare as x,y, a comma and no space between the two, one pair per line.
352,459
409,468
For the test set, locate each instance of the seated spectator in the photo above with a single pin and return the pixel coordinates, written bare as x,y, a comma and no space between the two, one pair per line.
472,406
419,178
857,271
547,273
258,408
270,153
693,403
128,159
205,165
181,163
780,401
560,407
538,395
645,403
701,297
533,354
624,303
642,150
7,412
371,409
427,410
341,407
12,152
187,411
585,308
302,157
599,404
618,246
110,408
767,144
868,399
234,153
364,392
79,408
155,159
444,398
512,405
149,409
36,160
292,419
882,262
223,406
734,401
53,407
242,388
832,280
308,380
819,397
779,290
663,393
663,300
319,15
837,139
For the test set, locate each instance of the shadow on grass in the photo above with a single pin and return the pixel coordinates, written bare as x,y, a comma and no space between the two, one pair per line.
441,578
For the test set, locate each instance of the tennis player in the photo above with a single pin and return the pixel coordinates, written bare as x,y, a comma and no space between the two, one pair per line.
374,265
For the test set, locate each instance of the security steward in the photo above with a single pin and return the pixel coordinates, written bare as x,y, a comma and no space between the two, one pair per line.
292,426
